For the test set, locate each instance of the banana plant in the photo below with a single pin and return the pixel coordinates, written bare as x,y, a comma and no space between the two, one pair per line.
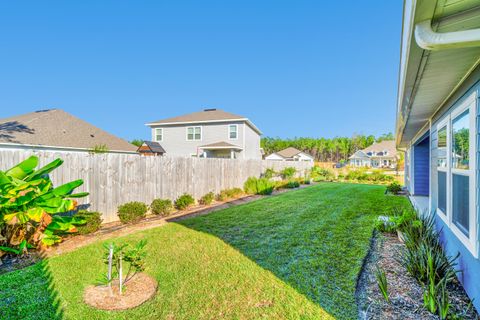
29,206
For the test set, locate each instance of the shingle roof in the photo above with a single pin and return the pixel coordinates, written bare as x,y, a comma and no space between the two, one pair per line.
58,128
221,144
206,115
288,152
154,146
388,145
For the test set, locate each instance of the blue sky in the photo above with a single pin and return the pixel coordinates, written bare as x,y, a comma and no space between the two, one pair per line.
295,68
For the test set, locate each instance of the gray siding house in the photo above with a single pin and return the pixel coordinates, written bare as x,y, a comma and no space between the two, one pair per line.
211,133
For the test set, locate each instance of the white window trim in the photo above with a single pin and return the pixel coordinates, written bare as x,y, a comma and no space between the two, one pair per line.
232,125
156,134
201,133
444,215
471,242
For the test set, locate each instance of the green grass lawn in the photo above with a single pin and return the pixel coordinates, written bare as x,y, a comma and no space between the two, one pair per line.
292,256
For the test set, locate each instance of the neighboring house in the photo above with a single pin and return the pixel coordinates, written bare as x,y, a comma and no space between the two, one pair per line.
151,148
379,155
437,123
211,133
290,154
56,129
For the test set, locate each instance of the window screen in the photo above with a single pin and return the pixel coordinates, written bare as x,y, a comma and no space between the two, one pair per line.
442,191
460,195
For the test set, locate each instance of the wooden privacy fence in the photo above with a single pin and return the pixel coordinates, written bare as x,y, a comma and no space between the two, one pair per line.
113,179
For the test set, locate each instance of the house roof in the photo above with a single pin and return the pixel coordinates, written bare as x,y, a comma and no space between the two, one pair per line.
220,145
205,116
290,152
57,128
428,79
378,148
359,155
154,146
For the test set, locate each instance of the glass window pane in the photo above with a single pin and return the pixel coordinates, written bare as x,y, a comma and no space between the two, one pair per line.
442,191
442,148
233,132
460,141
159,134
460,196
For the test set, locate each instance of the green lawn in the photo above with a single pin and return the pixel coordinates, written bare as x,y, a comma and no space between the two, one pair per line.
291,256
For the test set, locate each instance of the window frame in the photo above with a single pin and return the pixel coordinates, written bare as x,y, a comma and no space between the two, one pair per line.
194,127
236,131
156,134
470,241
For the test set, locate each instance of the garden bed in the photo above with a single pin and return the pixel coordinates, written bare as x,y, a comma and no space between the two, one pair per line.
406,294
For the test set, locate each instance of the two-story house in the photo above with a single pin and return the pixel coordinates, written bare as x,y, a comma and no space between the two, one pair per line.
379,155
211,133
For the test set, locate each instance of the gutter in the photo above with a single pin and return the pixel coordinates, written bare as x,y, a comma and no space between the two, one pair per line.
428,39
47,147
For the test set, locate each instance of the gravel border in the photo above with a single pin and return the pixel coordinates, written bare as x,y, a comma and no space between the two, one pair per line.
406,294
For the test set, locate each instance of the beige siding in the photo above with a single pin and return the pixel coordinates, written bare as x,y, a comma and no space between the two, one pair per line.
113,179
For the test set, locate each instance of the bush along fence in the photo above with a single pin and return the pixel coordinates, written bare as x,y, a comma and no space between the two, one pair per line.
115,179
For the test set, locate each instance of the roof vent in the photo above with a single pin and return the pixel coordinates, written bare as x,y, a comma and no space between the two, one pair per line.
206,110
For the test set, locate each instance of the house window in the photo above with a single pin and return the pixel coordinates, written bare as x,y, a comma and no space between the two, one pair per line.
194,133
158,134
460,173
456,175
233,131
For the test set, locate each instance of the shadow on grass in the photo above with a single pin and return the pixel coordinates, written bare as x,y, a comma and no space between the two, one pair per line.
29,293
314,240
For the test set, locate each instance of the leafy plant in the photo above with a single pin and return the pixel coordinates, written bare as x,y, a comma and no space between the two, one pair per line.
229,194
137,142
292,184
322,174
30,205
93,221
131,212
116,255
207,199
382,283
161,207
394,188
269,173
288,173
262,186
184,201
443,302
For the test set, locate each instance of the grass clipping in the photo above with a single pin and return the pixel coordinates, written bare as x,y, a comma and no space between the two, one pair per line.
137,291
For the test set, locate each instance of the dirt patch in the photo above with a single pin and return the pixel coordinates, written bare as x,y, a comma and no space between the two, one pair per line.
138,290
406,294
10,262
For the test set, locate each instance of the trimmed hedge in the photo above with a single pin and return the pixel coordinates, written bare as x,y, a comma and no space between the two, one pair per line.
184,201
207,199
132,211
161,207
93,221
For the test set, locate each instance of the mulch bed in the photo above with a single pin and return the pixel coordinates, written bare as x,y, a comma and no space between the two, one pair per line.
406,294
137,290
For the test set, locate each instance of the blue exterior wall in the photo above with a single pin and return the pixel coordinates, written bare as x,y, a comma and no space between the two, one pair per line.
421,162
467,263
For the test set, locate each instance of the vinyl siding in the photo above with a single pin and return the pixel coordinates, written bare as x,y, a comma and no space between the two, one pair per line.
470,266
176,144
421,168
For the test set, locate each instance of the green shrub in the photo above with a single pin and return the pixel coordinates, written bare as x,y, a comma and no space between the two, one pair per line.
207,199
269,173
161,207
394,188
132,211
288,173
262,186
292,184
93,221
359,175
184,201
229,194
322,174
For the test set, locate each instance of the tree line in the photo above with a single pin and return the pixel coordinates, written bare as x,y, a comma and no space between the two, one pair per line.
325,150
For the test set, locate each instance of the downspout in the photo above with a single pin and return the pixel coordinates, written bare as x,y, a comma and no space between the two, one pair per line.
428,39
